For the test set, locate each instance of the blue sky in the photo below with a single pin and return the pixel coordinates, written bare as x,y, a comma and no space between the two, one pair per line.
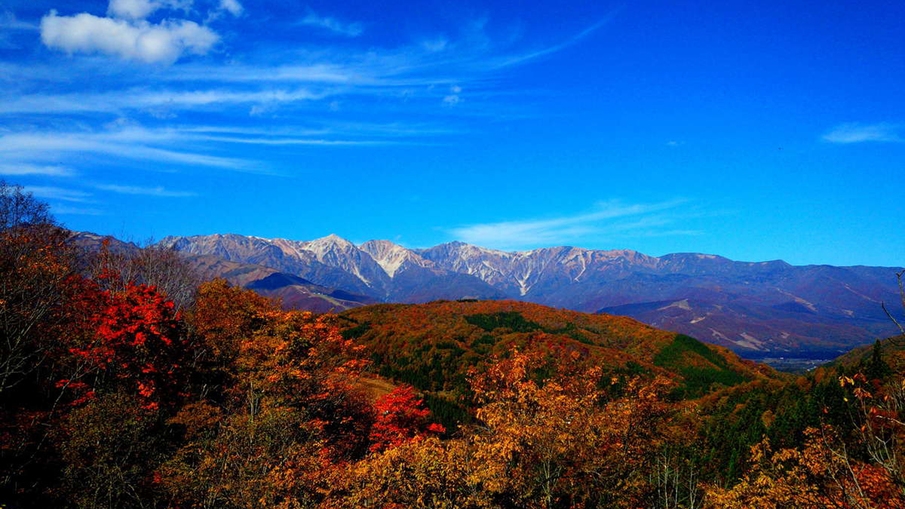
752,131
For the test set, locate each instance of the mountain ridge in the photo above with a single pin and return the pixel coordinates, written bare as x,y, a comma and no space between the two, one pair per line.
758,308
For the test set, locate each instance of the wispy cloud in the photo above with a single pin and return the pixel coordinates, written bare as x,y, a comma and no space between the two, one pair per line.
858,133
40,152
9,21
300,79
333,25
10,28
32,169
343,70
321,133
610,220
294,141
158,191
232,6
59,193
522,58
454,96
137,99
75,211
315,96
132,144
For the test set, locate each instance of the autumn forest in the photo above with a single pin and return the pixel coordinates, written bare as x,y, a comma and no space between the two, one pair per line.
128,381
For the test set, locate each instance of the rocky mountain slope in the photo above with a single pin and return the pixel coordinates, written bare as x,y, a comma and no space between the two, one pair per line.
754,308
293,291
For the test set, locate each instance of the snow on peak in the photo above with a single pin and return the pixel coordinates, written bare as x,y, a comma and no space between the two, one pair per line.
330,244
391,256
333,240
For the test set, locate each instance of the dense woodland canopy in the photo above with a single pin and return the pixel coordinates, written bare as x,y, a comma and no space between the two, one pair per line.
124,382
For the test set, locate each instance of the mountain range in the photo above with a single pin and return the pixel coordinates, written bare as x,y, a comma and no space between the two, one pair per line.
757,309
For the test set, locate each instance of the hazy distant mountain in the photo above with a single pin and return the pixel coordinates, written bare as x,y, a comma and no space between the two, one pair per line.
761,308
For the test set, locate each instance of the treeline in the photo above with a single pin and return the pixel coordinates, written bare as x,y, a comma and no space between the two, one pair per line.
125,383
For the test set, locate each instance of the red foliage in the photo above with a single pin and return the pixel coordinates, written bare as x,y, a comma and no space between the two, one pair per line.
400,418
135,345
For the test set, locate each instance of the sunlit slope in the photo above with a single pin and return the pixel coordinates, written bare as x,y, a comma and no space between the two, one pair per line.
433,346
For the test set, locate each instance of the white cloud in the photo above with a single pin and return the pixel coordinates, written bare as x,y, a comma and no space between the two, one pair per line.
75,211
543,52
129,144
611,219
158,191
289,141
162,43
132,9
413,75
232,6
58,193
141,9
333,25
157,102
45,152
348,73
208,97
31,169
407,72
453,98
858,133
331,129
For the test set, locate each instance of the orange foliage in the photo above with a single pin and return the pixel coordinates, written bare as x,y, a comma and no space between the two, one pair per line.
820,475
421,474
292,407
556,442
223,315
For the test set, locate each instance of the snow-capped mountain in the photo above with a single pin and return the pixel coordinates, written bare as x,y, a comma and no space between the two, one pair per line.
378,269
754,307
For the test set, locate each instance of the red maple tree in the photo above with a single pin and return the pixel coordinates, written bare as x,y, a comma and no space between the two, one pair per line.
400,418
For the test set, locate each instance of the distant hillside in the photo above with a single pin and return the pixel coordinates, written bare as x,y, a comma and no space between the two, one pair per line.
433,346
757,309
891,350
